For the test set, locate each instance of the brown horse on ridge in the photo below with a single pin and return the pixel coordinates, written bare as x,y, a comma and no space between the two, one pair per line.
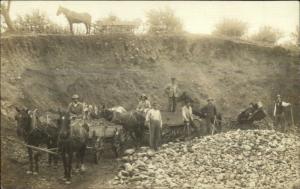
75,17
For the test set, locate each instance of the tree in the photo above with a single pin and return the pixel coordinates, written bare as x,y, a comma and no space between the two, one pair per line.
163,21
37,22
296,35
267,34
231,28
5,10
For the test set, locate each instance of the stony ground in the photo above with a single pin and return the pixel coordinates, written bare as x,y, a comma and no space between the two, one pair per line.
236,159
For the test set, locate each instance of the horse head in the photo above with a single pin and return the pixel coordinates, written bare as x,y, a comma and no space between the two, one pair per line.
63,123
107,114
139,117
59,11
23,121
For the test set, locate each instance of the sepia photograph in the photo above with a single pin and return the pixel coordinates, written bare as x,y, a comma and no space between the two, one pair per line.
150,94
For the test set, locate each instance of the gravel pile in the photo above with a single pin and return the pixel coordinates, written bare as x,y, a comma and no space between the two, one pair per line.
236,159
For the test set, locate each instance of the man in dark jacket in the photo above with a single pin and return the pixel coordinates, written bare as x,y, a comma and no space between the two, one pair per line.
210,113
172,92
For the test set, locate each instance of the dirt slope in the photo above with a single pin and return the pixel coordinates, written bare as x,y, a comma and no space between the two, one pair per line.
44,71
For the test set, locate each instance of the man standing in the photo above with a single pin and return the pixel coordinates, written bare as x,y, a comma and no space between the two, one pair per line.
210,112
144,104
75,108
173,92
279,116
187,115
154,122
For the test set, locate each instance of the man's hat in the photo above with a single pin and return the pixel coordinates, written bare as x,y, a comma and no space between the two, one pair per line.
75,96
144,95
154,104
278,95
187,101
173,78
210,99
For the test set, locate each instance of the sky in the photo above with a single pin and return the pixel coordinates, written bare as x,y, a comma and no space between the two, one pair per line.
197,16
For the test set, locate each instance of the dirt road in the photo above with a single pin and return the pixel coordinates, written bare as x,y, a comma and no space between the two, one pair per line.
14,164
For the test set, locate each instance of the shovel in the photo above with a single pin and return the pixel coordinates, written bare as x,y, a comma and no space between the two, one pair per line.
292,118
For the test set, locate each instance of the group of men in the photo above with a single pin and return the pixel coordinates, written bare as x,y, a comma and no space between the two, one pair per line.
153,118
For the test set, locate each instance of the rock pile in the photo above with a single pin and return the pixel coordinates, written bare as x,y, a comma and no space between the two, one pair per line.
236,159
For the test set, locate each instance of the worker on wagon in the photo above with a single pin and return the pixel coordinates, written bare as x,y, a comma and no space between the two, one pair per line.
249,111
154,122
75,108
144,104
280,120
172,92
187,115
210,112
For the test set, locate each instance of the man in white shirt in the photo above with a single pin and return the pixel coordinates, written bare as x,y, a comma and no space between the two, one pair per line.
154,122
187,115
280,120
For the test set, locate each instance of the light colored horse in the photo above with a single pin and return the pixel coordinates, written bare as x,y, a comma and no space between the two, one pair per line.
75,18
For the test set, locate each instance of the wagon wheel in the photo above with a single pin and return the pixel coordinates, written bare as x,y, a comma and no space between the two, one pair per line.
167,134
201,126
97,155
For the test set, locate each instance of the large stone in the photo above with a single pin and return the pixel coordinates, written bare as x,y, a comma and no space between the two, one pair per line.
129,151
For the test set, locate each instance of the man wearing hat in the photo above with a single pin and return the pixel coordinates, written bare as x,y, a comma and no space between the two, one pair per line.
173,92
154,122
279,116
75,108
210,112
144,104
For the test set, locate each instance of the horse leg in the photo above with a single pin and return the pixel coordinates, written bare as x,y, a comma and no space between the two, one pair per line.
82,154
30,153
64,160
67,161
36,161
116,148
77,161
53,157
87,28
71,28
50,156
50,160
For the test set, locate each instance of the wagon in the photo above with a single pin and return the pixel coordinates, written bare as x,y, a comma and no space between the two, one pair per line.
173,126
103,135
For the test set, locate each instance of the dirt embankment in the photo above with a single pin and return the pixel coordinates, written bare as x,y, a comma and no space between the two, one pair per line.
43,71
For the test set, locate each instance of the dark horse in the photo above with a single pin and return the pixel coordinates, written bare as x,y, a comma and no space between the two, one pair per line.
132,122
35,133
72,139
